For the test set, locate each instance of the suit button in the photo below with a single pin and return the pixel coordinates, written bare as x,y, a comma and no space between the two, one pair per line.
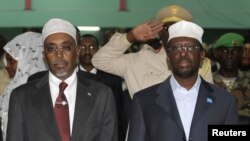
190,139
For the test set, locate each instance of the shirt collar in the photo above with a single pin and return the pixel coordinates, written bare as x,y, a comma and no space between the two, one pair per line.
175,85
93,71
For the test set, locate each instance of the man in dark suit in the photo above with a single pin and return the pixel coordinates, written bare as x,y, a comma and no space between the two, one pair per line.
181,107
89,45
40,111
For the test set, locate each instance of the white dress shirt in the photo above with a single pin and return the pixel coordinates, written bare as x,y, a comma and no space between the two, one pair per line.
93,71
70,93
186,101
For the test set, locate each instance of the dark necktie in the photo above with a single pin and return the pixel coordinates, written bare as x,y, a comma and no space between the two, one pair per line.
61,110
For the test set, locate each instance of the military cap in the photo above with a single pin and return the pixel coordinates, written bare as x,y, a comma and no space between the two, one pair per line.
229,40
173,13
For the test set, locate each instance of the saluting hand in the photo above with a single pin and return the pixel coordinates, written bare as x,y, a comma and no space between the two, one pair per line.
145,31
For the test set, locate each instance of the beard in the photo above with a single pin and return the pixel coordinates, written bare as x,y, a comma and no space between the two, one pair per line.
61,73
185,73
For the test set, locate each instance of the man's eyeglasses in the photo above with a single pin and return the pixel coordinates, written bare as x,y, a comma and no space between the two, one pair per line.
51,49
178,49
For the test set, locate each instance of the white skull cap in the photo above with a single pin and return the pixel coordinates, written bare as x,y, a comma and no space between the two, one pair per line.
185,29
56,25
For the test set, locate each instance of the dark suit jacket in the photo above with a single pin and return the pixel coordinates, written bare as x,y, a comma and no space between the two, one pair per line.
31,115
115,83
112,81
155,116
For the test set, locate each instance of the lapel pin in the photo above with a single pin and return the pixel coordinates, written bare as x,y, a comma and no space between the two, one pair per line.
89,94
209,100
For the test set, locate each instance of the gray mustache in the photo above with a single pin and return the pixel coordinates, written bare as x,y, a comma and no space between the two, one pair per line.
59,62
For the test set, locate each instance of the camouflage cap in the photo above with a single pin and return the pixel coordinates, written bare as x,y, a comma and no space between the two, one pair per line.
229,40
173,13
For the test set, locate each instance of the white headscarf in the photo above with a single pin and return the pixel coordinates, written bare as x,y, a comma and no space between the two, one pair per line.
27,49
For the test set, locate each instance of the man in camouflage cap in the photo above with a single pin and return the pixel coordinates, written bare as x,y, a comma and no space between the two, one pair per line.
228,52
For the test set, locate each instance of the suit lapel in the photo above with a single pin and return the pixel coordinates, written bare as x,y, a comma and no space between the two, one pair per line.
84,103
167,102
204,101
43,104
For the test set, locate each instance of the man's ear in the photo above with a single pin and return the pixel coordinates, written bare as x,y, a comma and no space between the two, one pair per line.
44,59
202,54
168,63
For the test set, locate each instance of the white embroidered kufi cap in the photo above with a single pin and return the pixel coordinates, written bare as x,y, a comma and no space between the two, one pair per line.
185,29
56,25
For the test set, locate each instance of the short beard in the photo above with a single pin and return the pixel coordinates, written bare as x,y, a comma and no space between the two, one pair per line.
61,73
189,72
185,74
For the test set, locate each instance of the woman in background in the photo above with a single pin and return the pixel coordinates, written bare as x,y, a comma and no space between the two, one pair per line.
23,58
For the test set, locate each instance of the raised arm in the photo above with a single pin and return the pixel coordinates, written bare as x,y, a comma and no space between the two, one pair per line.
111,57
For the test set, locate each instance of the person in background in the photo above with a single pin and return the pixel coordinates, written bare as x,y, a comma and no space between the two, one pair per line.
61,106
23,58
228,52
89,45
147,66
245,61
4,81
182,106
